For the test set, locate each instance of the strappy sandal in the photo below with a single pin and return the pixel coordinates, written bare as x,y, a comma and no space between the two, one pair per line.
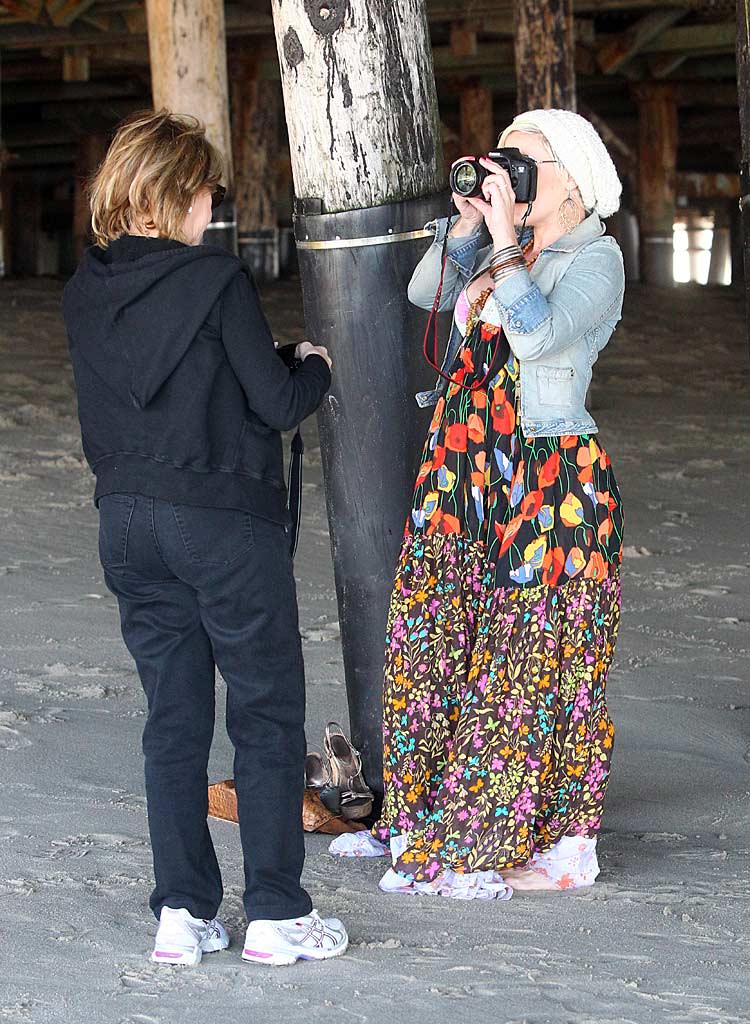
346,774
318,777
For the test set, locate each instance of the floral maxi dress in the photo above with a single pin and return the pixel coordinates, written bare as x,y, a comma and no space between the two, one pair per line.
500,634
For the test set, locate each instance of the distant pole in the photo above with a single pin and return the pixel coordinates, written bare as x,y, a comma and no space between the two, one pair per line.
544,54
657,162
256,113
361,109
187,48
91,150
743,95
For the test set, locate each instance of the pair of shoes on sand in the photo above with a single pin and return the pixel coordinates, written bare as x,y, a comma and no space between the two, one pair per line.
338,777
183,939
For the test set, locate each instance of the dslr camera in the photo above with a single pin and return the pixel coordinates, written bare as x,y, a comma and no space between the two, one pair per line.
467,175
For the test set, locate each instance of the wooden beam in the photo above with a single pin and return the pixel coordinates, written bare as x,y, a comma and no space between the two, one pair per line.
610,138
17,93
84,114
708,68
711,94
707,185
445,10
135,21
463,38
716,127
19,36
75,64
42,156
491,57
487,57
24,10
716,37
135,52
64,12
617,51
663,66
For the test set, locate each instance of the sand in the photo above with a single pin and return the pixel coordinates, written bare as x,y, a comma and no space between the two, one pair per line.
664,934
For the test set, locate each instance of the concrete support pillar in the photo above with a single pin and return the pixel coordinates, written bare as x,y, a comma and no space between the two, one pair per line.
657,159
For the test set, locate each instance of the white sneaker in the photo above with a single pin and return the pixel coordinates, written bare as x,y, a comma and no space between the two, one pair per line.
279,943
183,939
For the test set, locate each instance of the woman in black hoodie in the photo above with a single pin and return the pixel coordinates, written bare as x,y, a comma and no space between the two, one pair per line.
181,398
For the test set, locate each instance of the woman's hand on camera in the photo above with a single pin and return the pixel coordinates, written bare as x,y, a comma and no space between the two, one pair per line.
306,348
499,204
469,218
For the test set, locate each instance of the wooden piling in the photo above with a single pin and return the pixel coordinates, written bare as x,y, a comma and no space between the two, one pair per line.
187,48
544,54
256,113
657,160
364,132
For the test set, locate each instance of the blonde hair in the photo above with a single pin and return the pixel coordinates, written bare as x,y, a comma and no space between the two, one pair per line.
156,163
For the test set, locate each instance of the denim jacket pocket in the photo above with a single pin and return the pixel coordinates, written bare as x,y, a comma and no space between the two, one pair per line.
555,384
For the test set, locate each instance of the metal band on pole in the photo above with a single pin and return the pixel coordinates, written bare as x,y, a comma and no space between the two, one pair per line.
353,243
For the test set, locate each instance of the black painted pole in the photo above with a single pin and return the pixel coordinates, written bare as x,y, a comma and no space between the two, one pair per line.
361,109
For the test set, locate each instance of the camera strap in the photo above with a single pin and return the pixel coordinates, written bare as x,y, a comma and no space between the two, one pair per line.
432,324
294,490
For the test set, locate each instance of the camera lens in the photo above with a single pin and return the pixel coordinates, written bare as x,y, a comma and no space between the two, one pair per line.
464,179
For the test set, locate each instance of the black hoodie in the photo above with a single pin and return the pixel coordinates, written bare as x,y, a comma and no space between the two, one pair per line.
181,392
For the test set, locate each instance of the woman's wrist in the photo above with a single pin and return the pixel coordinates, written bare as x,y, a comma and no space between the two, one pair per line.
503,241
464,227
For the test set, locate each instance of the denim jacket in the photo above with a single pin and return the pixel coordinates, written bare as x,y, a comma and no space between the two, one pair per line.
557,316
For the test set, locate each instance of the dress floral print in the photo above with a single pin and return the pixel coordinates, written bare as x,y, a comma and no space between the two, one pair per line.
500,634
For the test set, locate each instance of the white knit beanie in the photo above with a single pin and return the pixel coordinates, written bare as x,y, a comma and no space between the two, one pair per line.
579,147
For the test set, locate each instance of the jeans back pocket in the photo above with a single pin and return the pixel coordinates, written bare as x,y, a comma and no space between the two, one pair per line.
115,515
214,536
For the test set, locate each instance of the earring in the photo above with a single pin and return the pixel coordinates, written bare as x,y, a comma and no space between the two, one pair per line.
190,209
567,214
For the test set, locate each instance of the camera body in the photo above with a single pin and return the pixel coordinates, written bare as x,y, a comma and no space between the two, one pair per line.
467,175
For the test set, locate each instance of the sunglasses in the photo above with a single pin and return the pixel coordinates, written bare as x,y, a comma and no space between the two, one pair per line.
217,196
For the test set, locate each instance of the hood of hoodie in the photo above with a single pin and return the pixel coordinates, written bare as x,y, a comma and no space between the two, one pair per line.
133,320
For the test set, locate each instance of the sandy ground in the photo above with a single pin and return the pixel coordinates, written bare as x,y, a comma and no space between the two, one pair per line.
664,934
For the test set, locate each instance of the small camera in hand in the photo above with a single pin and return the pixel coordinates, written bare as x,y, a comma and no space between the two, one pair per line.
467,175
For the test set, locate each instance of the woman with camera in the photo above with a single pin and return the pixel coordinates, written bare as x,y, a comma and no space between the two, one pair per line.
505,608
182,396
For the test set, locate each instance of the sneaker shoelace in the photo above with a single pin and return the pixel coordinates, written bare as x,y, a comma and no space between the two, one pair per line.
316,934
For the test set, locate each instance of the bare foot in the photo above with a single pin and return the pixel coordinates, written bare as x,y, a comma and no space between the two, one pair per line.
529,879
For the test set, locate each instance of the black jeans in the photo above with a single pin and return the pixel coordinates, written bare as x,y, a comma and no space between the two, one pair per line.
199,588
